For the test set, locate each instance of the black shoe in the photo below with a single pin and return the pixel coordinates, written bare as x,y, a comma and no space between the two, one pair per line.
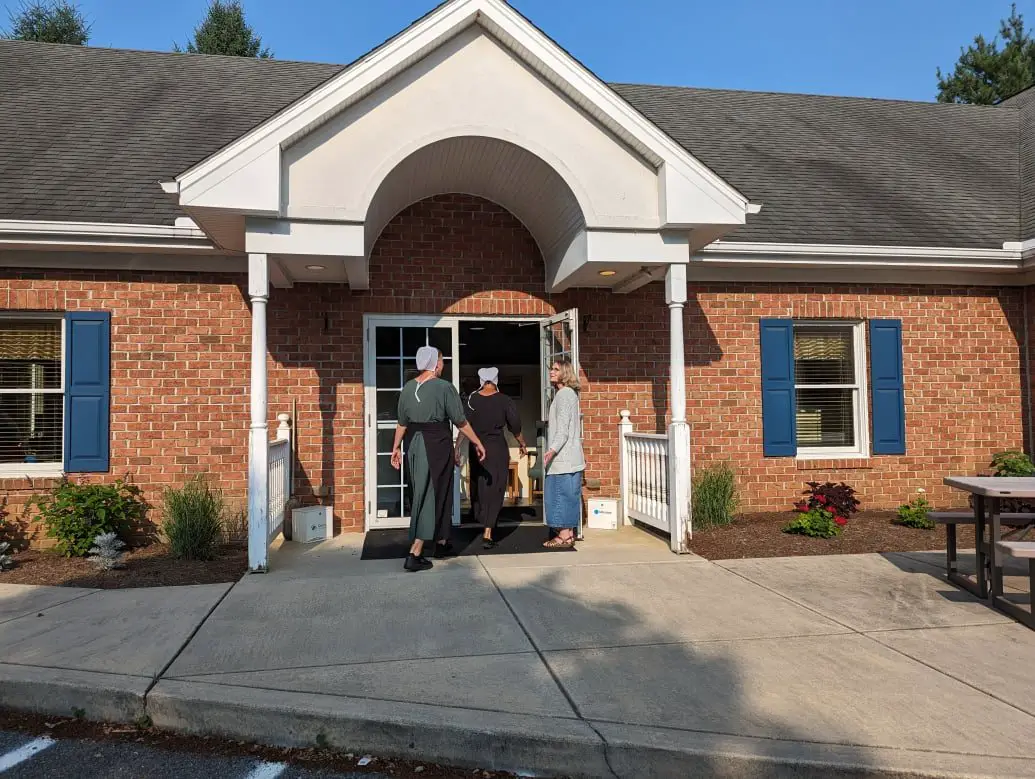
414,563
488,543
444,550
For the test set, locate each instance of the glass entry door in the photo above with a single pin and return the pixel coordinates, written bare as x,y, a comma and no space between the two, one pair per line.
391,353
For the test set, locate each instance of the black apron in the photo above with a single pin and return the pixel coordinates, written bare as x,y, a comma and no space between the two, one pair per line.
438,452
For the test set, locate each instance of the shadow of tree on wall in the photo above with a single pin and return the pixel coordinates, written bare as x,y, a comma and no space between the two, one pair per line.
625,349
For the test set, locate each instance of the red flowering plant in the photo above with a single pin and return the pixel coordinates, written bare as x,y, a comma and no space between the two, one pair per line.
824,510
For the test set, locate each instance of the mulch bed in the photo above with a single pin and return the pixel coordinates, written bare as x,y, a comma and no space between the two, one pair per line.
313,758
760,535
148,566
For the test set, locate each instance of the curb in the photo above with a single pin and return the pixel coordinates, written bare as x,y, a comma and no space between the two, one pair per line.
65,693
452,736
519,743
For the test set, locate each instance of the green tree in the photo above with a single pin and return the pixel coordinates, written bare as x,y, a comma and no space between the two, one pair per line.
48,21
986,73
224,31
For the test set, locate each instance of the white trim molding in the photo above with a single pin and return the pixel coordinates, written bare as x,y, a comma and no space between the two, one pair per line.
33,234
765,253
1025,248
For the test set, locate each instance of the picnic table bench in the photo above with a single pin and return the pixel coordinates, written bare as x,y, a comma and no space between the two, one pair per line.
1024,550
989,492
950,519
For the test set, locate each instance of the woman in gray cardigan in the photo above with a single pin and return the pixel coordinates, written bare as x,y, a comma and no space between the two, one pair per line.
564,460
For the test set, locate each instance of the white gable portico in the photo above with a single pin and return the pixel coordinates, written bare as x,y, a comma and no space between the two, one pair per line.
471,99
474,99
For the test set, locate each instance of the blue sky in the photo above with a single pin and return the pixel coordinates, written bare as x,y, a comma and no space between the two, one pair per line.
870,48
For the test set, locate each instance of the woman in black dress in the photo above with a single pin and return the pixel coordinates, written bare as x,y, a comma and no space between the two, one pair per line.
490,413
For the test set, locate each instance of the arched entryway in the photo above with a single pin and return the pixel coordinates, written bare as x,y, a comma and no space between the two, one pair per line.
461,273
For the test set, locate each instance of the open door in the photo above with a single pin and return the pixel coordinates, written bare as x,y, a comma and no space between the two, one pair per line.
391,361
560,340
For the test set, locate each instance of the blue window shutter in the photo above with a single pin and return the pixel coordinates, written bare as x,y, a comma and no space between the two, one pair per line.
87,391
779,429
887,390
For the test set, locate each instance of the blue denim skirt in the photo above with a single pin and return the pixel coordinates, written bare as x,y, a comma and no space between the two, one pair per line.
563,499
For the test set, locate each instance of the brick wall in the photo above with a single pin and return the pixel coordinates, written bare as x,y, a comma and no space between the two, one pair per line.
179,374
180,362
963,372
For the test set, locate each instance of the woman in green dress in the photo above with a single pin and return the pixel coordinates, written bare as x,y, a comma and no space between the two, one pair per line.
427,406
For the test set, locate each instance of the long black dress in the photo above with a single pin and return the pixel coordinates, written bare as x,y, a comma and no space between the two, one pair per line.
490,415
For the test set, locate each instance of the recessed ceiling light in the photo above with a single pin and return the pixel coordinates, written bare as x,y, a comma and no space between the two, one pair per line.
607,272
316,267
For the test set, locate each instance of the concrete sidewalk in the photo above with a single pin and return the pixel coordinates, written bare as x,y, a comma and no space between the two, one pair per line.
618,660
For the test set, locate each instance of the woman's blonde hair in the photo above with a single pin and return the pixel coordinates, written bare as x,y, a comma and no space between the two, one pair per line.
568,376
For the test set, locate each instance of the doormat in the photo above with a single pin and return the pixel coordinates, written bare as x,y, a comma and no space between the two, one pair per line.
521,539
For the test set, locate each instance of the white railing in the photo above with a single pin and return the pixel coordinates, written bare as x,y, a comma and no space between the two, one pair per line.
644,475
280,475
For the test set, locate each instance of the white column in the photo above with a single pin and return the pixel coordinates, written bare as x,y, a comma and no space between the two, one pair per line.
258,440
624,428
678,429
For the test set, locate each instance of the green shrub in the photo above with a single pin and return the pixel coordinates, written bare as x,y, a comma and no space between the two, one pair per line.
714,496
1012,463
235,525
75,514
193,519
815,523
914,513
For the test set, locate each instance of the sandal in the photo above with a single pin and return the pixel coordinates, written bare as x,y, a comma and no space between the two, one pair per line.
557,542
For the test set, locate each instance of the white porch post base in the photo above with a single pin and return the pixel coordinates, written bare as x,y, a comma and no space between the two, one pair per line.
679,486
258,434
258,500
678,429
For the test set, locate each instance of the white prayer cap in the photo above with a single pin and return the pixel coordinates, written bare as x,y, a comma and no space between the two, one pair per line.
487,375
427,358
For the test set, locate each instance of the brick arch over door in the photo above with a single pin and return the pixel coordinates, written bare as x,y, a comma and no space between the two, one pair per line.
458,254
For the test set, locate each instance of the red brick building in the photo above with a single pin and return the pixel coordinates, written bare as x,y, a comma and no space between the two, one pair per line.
804,287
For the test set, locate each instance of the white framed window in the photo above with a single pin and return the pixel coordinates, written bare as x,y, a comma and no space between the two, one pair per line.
830,389
32,393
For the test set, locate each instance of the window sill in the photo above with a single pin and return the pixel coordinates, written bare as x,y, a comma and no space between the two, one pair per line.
834,463
29,471
809,453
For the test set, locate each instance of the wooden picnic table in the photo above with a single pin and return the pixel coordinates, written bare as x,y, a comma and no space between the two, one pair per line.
990,491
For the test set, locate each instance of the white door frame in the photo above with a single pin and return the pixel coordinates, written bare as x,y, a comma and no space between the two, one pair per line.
370,427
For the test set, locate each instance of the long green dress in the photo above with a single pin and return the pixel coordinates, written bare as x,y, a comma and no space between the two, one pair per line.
426,411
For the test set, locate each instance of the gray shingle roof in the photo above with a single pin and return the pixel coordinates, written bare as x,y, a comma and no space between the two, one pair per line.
86,135
851,170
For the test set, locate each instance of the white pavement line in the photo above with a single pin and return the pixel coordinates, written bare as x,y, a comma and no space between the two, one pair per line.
267,771
23,753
